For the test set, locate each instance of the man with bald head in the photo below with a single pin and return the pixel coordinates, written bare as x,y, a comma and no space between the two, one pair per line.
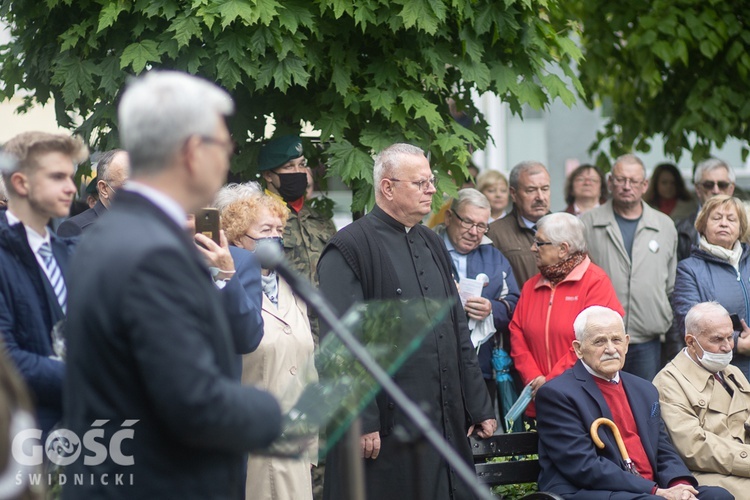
637,247
596,387
112,170
389,255
705,402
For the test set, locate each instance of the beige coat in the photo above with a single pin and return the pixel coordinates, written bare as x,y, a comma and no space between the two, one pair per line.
706,425
645,282
281,364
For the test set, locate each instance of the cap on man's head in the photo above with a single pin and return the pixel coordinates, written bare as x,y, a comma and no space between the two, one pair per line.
279,151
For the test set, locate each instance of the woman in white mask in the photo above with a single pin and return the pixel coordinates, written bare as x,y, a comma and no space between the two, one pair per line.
282,363
718,269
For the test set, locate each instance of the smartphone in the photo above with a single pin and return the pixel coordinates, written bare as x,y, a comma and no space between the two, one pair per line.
207,224
736,324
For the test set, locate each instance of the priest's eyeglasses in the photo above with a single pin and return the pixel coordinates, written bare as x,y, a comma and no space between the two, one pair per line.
421,185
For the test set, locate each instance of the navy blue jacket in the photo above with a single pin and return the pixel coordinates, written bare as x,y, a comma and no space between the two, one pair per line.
703,277
571,465
28,311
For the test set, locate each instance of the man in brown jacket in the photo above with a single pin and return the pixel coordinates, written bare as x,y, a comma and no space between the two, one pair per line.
513,235
705,402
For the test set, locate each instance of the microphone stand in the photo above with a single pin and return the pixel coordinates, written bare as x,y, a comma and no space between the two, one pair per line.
271,257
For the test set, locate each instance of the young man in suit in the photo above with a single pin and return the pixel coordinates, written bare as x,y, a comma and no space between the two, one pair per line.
572,466
150,343
38,174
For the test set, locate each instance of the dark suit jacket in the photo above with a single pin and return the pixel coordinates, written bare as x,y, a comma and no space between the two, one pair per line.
149,340
28,311
571,464
81,222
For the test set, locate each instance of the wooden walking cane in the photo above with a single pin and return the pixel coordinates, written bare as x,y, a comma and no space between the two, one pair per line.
629,466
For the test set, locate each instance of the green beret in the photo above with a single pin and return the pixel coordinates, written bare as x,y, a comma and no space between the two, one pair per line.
279,151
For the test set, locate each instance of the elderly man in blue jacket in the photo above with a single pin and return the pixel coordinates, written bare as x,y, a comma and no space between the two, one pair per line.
472,255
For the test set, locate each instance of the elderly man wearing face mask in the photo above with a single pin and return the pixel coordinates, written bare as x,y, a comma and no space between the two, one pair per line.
705,402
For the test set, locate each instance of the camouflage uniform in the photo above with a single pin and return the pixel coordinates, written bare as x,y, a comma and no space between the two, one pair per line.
305,236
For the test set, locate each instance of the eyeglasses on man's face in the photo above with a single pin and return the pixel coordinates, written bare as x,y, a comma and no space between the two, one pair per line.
709,185
228,145
480,226
423,185
623,181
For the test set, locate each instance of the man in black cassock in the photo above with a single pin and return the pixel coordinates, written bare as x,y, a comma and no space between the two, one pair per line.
388,254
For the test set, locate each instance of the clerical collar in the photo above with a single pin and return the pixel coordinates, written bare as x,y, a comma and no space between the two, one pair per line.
385,217
615,379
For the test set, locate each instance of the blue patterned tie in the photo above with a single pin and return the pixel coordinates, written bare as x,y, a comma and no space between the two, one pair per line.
54,274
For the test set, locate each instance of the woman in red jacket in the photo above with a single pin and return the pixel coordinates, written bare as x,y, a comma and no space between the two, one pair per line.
568,282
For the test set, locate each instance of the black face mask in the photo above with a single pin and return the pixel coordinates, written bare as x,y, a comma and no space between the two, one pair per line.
292,186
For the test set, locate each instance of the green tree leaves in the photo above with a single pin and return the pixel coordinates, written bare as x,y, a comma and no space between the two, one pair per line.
674,68
139,54
364,74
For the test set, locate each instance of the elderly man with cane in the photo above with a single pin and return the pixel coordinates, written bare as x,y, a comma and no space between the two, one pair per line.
576,466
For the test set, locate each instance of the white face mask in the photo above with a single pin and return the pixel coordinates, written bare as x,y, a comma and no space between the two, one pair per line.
714,362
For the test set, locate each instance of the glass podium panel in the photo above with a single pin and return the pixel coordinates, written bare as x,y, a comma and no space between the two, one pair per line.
338,386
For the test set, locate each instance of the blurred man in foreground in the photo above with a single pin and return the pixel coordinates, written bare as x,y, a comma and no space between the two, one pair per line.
150,346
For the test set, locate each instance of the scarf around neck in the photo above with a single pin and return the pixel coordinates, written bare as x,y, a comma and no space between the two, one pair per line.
555,273
732,256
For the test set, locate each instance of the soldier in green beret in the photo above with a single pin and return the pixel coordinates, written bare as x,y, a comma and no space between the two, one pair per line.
283,167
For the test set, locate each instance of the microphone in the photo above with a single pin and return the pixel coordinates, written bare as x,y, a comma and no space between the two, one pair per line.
270,255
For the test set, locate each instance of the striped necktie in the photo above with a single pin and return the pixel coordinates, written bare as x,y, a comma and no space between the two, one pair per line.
54,274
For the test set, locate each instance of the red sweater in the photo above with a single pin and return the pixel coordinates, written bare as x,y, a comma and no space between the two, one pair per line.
541,332
622,416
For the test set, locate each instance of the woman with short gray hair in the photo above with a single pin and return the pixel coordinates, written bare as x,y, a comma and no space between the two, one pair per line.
541,333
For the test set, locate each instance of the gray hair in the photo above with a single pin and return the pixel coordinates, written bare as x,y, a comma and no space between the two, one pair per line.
562,227
236,192
470,196
160,111
387,161
629,158
3,192
709,165
532,167
103,163
697,314
581,322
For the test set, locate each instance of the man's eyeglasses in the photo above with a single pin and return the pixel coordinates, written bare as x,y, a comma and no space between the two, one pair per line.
542,243
709,185
114,191
481,227
421,185
229,146
622,181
